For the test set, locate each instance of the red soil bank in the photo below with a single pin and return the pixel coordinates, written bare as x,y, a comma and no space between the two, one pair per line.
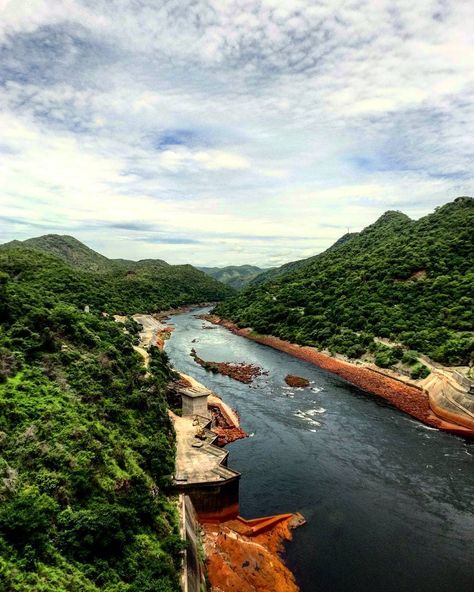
162,336
410,399
228,435
239,560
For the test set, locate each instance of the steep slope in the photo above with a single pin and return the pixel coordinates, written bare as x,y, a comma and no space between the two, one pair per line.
144,286
292,266
410,282
235,276
87,448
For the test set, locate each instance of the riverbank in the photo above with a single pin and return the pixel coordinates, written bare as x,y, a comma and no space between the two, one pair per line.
407,396
244,556
241,555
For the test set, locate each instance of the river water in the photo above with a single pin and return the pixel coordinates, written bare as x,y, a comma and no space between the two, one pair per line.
389,503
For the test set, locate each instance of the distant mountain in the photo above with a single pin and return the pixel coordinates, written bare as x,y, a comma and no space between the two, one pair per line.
71,251
409,282
65,267
236,276
274,272
77,254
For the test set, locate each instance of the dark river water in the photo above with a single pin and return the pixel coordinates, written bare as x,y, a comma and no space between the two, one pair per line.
389,503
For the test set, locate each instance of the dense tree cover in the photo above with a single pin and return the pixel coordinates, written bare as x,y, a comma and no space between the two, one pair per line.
147,287
69,250
411,282
235,276
86,446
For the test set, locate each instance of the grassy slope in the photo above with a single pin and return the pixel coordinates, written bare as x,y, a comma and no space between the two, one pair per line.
87,449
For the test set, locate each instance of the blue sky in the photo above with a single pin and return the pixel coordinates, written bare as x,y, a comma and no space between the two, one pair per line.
223,132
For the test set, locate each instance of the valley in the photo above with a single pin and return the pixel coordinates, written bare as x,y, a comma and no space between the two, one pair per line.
305,369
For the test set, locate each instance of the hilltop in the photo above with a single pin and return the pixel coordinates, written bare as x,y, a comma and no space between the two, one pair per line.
235,276
78,255
292,266
61,266
408,283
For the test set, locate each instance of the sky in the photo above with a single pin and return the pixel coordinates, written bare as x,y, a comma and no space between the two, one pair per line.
219,132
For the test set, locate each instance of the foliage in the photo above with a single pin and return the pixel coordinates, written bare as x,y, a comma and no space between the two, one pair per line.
87,449
235,276
122,288
411,282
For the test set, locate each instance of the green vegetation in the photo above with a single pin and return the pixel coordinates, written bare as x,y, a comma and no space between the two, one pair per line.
69,250
410,282
86,446
144,286
235,276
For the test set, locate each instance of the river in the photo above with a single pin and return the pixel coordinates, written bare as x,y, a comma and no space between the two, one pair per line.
389,503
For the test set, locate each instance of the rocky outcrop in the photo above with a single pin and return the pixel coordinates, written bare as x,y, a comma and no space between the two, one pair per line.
245,373
296,381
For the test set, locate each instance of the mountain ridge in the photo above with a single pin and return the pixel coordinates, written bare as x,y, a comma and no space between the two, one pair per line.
143,286
408,281
235,276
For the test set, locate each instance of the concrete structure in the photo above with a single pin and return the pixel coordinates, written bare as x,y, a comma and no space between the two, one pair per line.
202,472
151,328
193,575
194,402
449,399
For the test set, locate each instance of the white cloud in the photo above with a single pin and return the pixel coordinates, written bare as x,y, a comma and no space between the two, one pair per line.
217,120
212,160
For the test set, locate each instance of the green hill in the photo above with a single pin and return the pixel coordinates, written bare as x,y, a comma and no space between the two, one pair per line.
410,282
83,277
271,274
86,445
71,251
235,276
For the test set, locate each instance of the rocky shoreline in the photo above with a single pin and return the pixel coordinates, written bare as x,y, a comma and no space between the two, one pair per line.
410,398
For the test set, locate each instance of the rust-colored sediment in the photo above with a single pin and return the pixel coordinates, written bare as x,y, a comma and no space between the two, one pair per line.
243,556
238,371
296,381
162,336
224,426
407,398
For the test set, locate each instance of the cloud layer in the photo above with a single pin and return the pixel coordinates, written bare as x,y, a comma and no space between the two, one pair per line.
222,132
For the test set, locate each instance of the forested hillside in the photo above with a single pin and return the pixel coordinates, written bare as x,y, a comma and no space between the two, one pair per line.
292,266
235,276
69,250
410,282
87,450
122,287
